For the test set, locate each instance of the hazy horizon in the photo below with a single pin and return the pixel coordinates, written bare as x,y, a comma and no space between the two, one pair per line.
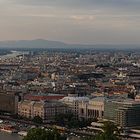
48,44
59,41
71,21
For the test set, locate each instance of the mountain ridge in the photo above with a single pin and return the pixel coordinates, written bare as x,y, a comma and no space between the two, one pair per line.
42,43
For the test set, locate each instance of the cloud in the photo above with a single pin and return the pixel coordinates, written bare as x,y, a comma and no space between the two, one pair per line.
105,7
93,21
82,17
82,3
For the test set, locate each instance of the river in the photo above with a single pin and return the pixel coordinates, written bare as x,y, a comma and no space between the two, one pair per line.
12,55
6,136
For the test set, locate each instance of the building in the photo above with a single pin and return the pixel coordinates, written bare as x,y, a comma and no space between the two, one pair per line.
43,96
25,108
124,113
47,110
93,108
110,107
73,103
9,102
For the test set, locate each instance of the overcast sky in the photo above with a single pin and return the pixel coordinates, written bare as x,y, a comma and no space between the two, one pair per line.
71,21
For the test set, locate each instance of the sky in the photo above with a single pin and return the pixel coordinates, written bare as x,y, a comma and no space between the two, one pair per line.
71,21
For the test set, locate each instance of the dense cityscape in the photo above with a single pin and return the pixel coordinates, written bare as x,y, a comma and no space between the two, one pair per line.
69,69
75,91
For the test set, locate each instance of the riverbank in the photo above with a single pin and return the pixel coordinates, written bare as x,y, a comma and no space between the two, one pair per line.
7,136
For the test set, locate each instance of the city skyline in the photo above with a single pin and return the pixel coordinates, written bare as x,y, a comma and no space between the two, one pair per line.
80,21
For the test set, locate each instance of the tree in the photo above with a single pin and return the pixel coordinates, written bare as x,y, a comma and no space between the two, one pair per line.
70,121
42,134
36,134
65,119
110,132
60,119
38,120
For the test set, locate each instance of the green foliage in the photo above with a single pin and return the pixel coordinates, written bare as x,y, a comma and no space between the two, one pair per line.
88,138
37,120
42,134
110,132
71,122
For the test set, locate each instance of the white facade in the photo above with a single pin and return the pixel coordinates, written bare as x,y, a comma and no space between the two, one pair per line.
94,108
73,103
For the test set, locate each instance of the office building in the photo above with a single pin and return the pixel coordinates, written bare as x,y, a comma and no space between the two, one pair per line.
125,113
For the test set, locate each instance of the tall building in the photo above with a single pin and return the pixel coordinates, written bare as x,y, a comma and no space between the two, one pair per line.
110,107
9,102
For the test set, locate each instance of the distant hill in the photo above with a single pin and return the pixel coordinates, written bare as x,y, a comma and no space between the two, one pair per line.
40,43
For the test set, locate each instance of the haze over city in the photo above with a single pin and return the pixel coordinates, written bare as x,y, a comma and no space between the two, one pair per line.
71,21
69,69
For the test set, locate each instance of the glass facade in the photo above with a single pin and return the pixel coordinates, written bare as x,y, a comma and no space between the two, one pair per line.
125,114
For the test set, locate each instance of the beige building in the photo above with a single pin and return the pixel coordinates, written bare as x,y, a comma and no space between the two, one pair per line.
24,109
93,108
47,110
